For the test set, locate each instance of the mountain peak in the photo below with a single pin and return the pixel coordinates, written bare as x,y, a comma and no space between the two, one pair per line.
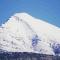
24,33
23,15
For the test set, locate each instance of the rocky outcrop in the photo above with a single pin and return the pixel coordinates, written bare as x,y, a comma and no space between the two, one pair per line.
27,56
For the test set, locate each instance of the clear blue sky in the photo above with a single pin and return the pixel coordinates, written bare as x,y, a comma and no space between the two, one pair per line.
47,10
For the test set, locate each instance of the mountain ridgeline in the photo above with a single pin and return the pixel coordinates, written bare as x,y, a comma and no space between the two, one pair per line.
24,33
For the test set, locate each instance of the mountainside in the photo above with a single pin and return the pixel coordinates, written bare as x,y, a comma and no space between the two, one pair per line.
24,33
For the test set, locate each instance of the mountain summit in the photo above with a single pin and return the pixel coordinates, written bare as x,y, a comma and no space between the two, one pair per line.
24,33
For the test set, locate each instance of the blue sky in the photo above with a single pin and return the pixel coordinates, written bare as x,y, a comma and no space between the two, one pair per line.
47,10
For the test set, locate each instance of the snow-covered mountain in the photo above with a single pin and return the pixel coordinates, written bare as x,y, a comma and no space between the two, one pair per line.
24,33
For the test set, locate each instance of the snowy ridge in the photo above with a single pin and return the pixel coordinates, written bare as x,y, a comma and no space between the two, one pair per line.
24,33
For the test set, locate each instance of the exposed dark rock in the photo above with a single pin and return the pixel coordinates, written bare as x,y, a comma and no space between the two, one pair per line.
26,56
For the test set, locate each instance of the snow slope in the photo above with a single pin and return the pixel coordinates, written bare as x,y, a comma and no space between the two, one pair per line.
24,33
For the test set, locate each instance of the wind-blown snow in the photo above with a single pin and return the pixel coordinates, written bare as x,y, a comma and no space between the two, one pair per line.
24,33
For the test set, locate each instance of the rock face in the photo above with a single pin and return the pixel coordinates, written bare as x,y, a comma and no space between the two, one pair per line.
27,56
24,33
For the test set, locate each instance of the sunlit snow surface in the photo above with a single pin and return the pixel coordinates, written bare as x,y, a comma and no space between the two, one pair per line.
24,33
